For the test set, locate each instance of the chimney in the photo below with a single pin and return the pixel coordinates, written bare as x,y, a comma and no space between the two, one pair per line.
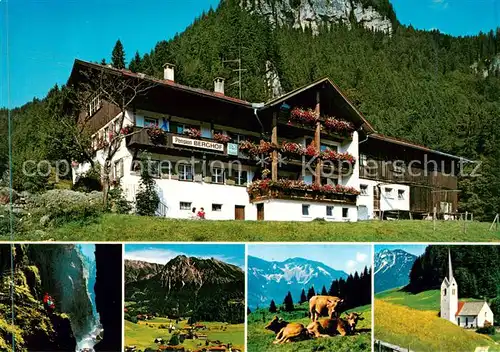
219,85
169,72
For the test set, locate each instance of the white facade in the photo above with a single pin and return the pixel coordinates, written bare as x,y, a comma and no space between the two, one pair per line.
220,200
476,321
286,210
392,196
464,314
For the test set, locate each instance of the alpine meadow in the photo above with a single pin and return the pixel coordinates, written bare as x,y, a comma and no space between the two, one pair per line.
424,86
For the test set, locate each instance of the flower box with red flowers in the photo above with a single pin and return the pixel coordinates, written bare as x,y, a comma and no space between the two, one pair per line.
249,148
266,147
342,127
303,116
193,133
292,149
156,134
311,151
291,189
332,155
221,138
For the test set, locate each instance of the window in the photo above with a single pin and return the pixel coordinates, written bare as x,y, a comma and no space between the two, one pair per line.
216,207
185,205
345,212
388,192
241,178
363,190
119,169
149,122
179,128
94,105
165,168
305,209
154,168
401,194
329,210
329,181
363,160
217,175
185,172
444,292
325,147
453,292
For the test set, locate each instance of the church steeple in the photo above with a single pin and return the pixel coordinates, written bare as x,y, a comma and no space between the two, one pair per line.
450,270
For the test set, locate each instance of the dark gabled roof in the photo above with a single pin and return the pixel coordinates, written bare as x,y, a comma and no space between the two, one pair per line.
409,144
297,91
166,83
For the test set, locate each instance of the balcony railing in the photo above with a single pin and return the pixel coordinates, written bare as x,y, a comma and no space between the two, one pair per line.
297,190
141,137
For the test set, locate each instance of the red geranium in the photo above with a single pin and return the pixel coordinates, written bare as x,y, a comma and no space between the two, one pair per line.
338,126
303,116
221,138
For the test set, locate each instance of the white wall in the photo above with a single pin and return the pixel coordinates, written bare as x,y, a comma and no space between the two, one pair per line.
385,203
291,210
485,315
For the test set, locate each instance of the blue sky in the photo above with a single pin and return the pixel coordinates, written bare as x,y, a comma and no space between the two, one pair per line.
162,253
349,258
46,36
414,249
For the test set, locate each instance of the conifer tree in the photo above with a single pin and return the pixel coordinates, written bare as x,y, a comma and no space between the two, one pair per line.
272,307
288,303
311,293
147,199
303,297
118,55
135,63
324,292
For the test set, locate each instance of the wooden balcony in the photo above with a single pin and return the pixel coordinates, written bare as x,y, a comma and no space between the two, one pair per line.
303,196
141,138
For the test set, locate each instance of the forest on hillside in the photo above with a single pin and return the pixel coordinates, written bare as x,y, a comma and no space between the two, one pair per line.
475,268
424,86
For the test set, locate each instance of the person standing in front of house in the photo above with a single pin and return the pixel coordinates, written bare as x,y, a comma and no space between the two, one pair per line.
201,214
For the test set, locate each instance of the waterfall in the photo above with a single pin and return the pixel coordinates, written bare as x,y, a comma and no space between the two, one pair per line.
90,339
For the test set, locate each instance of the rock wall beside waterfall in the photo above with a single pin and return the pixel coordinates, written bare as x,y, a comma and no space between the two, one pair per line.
34,328
108,290
62,275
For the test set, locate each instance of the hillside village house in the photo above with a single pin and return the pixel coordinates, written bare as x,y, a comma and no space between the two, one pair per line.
464,314
307,154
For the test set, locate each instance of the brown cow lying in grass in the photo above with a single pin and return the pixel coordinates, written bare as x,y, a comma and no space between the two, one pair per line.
287,332
319,305
331,327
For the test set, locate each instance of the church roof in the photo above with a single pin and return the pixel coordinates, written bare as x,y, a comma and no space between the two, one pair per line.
469,308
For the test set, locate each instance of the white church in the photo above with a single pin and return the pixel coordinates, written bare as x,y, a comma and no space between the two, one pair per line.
464,314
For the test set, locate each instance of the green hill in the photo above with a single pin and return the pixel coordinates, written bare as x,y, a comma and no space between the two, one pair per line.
260,339
424,331
427,300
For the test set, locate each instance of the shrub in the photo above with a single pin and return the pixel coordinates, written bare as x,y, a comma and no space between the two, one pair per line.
90,181
488,329
174,340
117,202
65,205
147,200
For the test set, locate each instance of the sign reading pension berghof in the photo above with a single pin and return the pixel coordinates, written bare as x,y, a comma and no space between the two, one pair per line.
188,142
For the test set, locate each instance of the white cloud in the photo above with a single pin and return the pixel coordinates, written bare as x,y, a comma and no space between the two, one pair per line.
361,257
163,256
351,264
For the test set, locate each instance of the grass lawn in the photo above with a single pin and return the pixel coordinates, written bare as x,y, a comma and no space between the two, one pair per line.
112,227
422,330
260,339
143,334
427,300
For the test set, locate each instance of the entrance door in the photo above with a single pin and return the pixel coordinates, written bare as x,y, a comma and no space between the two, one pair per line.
239,212
260,211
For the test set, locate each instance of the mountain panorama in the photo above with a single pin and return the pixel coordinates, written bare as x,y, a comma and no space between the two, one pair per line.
392,269
187,286
272,280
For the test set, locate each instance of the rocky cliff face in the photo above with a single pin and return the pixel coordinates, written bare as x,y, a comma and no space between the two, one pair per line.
314,13
108,290
34,328
62,276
